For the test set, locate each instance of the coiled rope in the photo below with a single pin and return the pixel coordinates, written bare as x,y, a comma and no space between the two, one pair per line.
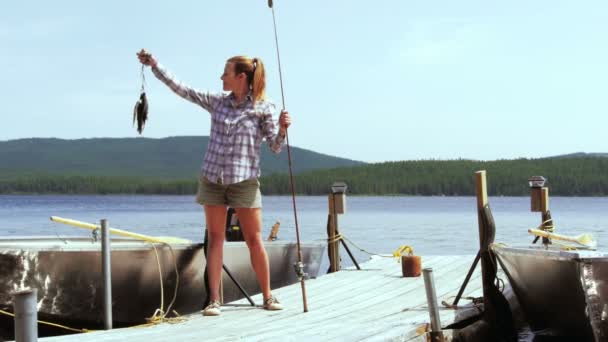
547,225
160,315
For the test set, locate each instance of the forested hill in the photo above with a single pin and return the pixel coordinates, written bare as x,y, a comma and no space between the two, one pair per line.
163,159
581,155
567,176
170,166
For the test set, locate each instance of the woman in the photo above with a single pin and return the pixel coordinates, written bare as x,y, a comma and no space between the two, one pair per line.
240,120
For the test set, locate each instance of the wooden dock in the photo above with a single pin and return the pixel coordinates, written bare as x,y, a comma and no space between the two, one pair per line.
375,304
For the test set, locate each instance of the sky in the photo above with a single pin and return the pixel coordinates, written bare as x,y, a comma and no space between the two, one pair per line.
366,80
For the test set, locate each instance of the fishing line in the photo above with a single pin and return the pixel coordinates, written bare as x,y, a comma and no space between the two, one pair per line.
143,79
299,267
276,41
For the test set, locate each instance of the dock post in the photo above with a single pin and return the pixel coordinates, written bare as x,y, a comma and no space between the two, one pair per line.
26,315
106,271
539,202
337,205
547,221
333,245
431,298
481,193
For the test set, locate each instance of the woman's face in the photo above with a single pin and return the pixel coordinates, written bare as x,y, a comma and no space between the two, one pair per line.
228,78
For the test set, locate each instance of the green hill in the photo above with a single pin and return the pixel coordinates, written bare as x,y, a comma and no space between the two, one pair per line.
170,166
173,158
567,176
582,155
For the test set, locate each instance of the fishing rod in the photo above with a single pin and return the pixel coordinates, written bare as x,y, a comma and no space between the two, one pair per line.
299,266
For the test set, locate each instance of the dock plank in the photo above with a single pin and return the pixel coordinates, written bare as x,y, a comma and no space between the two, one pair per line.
362,307
373,304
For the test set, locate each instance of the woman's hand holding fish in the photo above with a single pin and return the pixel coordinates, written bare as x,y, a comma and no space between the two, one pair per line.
146,58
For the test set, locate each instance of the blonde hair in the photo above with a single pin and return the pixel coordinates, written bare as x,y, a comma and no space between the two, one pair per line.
254,70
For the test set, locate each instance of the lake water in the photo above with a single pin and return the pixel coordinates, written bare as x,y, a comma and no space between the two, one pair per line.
432,225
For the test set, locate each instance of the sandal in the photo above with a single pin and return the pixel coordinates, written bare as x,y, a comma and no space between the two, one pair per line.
272,304
213,309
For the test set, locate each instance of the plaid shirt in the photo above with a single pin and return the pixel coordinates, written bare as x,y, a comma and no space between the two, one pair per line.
237,131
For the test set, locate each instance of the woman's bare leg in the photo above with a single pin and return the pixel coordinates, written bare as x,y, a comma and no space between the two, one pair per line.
215,215
251,224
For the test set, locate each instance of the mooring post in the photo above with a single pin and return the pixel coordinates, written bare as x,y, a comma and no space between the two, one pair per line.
332,243
106,271
539,202
337,205
431,299
26,315
481,193
546,221
544,200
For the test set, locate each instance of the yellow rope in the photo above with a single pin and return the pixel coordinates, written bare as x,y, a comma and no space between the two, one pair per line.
160,315
546,226
159,312
51,324
401,250
336,238
339,237
476,301
566,247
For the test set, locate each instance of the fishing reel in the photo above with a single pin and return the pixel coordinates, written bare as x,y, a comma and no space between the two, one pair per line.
299,269
95,235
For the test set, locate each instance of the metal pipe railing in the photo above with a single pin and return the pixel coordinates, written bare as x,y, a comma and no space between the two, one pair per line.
431,298
106,270
26,315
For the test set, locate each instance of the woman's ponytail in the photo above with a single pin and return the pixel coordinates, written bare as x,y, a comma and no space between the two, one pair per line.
256,76
258,84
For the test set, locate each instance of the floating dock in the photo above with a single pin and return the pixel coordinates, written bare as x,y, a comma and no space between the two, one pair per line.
372,304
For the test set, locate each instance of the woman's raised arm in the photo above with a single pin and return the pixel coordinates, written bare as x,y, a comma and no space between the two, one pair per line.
205,99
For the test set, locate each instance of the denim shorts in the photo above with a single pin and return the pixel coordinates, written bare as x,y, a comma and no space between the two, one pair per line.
245,194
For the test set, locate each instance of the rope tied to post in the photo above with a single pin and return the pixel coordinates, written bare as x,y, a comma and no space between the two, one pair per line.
51,324
547,225
160,314
401,249
335,238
